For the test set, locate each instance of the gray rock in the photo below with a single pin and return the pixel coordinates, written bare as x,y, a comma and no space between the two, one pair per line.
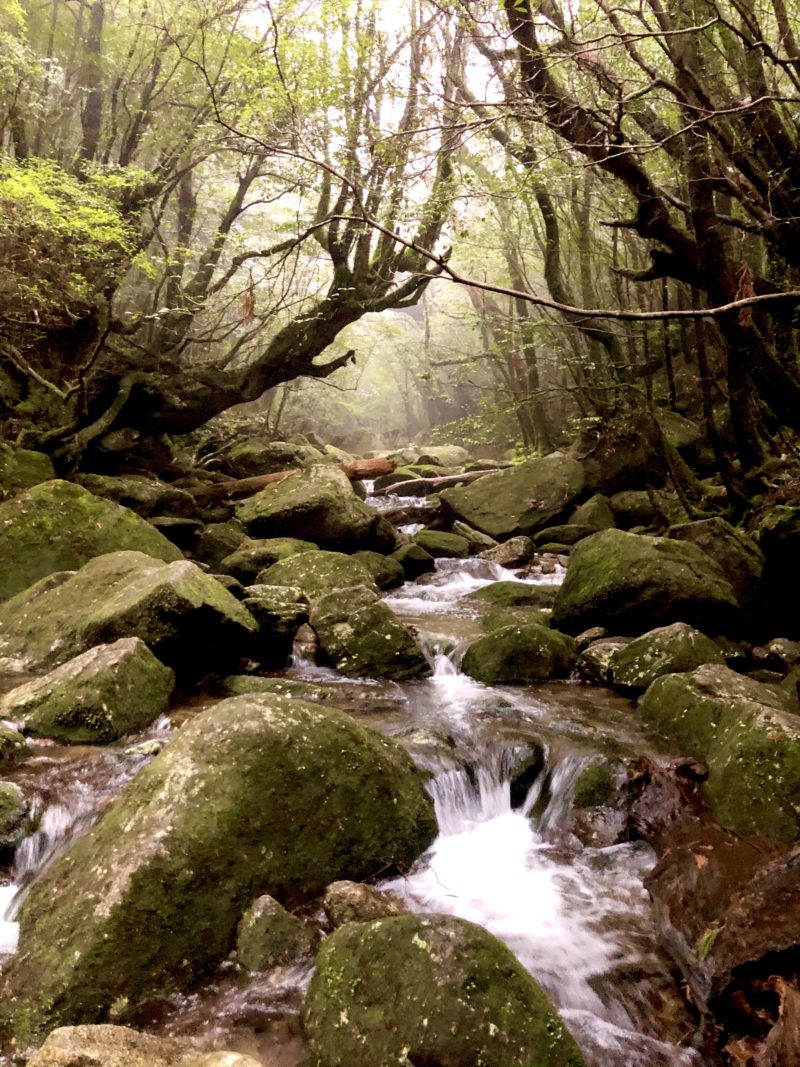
512,553
117,1046
354,902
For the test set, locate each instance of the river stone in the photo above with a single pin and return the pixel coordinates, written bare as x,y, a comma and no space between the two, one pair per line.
512,553
395,477
518,500
117,1046
100,695
429,990
442,545
595,786
145,496
632,582
253,556
257,455
21,469
13,746
514,594
668,650
354,902
280,611
519,654
594,662
188,620
477,541
362,637
13,814
736,554
746,733
57,526
317,573
320,506
415,560
269,935
218,540
386,572
256,794
561,536
443,456
595,512
240,684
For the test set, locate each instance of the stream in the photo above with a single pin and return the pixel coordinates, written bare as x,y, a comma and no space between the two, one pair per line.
577,916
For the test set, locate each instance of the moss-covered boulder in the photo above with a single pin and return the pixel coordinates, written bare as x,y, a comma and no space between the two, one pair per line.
354,902
257,794
633,507
630,583
57,526
594,662
240,684
386,572
395,477
317,573
280,611
564,536
514,595
444,456
318,505
595,512
218,540
748,736
269,935
14,809
21,469
100,695
13,746
518,500
185,617
362,638
477,541
670,649
253,556
512,553
519,654
442,545
145,496
594,787
257,455
117,1046
415,561
429,990
736,554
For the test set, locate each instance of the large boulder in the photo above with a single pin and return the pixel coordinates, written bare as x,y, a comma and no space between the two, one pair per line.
672,649
21,469
444,456
257,794
519,654
442,545
518,500
362,638
429,990
386,572
188,619
218,540
58,526
117,1046
100,695
257,455
146,496
621,455
630,583
595,512
318,505
736,554
748,736
514,595
251,557
317,573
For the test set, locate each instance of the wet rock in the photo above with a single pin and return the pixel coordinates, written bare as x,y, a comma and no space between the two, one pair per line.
429,749
362,637
519,500
631,583
317,573
748,736
519,654
21,469
319,506
13,746
269,935
595,512
240,684
414,560
13,814
117,1046
257,794
146,496
354,902
280,611
57,526
186,618
595,786
736,554
493,619
442,545
218,540
525,764
671,649
387,573
514,595
588,637
477,541
106,692
429,990
566,536
594,663
512,553
253,556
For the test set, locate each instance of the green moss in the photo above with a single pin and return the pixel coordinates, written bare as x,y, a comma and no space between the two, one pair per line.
386,572
668,650
22,469
317,573
595,787
515,594
520,654
440,544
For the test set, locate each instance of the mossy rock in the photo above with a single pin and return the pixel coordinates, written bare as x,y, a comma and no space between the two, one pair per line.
477,541
58,526
667,650
353,902
429,990
512,553
320,506
515,595
13,746
106,692
363,638
595,786
633,507
398,475
519,500
595,512
269,935
218,540
497,618
13,814
257,794
519,654
442,545
595,661
631,583
240,684
748,736
386,572
256,455
736,554
443,456
317,573
185,617
415,561
21,469
145,496
567,535
253,556
117,1046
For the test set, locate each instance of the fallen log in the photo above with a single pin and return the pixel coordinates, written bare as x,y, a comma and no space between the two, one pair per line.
434,484
357,470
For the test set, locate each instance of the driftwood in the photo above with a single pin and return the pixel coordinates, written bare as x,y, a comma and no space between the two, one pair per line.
444,482
356,471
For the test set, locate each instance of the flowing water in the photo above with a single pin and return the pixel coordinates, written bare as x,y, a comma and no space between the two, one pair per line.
578,917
